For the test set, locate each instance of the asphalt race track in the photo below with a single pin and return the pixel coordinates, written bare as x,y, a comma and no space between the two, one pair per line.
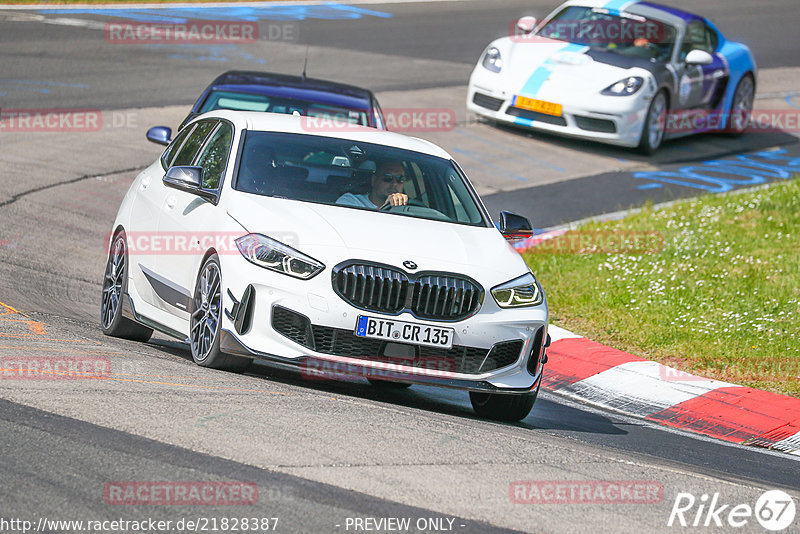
324,456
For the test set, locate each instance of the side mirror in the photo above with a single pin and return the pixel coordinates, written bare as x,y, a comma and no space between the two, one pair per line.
514,226
159,135
190,180
526,25
699,57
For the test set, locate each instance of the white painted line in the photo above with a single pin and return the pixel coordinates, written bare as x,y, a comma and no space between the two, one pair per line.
641,388
557,333
790,445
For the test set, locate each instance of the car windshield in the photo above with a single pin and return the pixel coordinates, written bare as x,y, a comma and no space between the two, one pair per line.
350,174
254,102
624,34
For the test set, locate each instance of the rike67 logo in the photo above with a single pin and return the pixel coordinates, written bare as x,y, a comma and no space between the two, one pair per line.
774,510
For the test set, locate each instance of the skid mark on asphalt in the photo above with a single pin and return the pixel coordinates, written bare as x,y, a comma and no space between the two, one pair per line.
18,196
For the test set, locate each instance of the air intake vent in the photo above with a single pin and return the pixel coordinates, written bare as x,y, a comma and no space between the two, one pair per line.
488,102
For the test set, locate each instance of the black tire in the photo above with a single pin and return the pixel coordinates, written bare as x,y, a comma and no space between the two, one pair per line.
205,322
503,407
741,106
115,287
386,384
653,132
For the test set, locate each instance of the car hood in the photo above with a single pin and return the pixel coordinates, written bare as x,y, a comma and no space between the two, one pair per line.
336,233
548,68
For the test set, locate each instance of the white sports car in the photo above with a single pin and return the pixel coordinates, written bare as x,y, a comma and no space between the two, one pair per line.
244,240
622,72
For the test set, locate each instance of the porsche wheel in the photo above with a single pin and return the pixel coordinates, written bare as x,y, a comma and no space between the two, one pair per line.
205,321
115,286
741,106
655,124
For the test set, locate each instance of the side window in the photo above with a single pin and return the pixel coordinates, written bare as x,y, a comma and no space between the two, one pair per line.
214,156
712,40
698,36
174,147
188,151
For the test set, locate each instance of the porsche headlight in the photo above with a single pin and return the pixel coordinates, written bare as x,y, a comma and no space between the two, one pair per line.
273,255
492,59
518,293
625,87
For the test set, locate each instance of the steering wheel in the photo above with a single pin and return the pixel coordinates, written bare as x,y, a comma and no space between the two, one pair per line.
410,202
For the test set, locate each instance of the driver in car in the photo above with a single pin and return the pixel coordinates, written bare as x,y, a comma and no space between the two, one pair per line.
387,186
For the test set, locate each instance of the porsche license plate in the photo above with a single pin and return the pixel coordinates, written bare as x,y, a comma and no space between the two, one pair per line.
402,332
548,108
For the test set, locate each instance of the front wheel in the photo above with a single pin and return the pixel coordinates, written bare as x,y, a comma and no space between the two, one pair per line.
503,407
205,321
741,106
115,286
655,124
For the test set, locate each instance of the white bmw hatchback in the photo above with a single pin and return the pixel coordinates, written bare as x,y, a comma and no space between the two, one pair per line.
253,237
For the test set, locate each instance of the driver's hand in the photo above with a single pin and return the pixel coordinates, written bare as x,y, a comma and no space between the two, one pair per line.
640,42
396,199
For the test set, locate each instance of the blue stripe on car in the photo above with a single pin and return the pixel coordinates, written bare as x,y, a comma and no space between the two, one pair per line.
543,72
539,76
615,6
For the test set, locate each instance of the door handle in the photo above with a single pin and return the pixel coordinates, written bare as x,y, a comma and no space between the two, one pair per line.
145,183
171,201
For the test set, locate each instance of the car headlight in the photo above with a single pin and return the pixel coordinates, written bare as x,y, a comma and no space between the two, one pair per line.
492,59
265,252
519,292
625,87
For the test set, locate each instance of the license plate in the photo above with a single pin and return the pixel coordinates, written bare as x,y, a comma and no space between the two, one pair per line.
548,108
402,332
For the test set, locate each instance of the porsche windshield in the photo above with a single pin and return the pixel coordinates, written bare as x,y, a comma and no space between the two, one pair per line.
356,175
624,34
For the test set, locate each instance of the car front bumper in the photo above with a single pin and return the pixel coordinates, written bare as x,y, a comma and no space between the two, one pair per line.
317,313
607,119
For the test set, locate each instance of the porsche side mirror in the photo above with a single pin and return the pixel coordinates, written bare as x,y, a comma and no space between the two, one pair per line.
699,57
190,180
525,25
159,135
514,226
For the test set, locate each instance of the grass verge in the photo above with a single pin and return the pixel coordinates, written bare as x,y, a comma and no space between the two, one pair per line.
709,286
